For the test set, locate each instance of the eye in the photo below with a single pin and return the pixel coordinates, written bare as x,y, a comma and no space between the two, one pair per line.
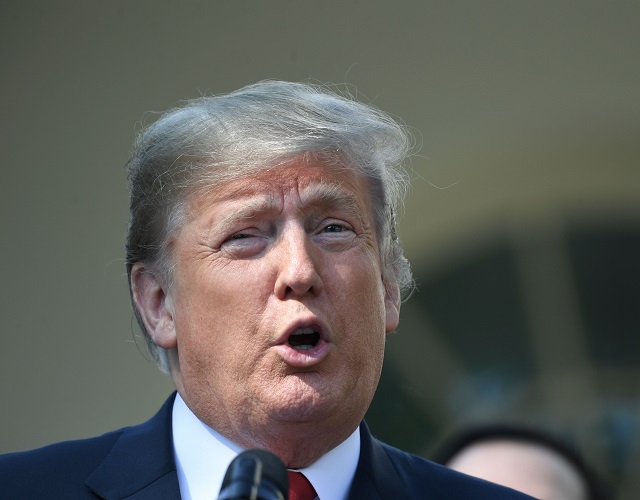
334,228
244,244
335,235
239,236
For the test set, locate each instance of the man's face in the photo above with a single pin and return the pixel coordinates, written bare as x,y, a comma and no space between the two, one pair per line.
278,312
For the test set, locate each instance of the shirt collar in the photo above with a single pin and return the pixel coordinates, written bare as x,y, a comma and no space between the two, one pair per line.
332,473
202,456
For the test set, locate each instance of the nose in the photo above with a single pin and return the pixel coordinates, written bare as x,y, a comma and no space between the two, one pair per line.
297,264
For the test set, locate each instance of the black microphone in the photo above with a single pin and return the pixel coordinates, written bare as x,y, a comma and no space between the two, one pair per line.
255,475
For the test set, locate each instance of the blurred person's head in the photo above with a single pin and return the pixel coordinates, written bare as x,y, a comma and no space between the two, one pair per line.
525,459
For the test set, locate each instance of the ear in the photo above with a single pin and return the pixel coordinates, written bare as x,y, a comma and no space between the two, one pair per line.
154,305
391,306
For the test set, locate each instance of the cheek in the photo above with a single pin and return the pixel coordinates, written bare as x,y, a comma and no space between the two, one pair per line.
363,309
364,290
208,325
216,293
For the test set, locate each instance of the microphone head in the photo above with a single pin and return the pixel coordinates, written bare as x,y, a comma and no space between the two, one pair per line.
255,475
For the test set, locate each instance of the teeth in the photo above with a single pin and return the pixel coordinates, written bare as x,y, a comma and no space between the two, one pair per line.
304,339
304,331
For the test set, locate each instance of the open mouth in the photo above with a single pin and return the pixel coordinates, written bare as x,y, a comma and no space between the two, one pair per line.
304,339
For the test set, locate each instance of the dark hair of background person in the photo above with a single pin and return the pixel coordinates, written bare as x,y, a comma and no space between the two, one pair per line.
450,447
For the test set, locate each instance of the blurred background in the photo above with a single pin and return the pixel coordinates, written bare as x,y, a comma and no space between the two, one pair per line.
523,223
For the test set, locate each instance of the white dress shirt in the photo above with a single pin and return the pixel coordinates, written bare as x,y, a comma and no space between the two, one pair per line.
202,456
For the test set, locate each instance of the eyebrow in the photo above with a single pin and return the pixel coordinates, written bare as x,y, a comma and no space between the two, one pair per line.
314,195
330,194
250,209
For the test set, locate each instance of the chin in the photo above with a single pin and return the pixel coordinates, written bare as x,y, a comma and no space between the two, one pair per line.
303,411
301,403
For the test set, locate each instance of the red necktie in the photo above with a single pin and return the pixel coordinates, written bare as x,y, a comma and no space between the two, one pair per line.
299,487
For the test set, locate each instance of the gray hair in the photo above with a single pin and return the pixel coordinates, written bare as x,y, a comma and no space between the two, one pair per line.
211,140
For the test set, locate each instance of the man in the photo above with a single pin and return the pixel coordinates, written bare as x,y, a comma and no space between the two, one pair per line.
525,459
265,272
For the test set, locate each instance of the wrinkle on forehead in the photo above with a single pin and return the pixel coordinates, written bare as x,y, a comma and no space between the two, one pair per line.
314,185
315,196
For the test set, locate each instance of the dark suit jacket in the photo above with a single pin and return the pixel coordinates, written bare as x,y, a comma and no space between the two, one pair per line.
137,463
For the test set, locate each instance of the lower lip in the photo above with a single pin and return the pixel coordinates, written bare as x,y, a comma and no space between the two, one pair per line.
303,358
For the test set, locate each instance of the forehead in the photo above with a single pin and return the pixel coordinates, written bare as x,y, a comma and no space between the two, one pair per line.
311,181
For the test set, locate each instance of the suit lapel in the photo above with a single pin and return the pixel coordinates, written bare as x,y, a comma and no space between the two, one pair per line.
140,465
375,476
